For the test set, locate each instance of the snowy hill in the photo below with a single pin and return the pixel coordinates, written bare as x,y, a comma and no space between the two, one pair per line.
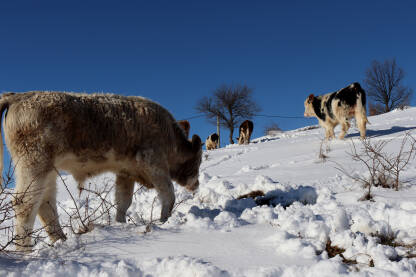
308,206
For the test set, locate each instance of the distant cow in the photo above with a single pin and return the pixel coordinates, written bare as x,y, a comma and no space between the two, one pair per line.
245,131
337,108
184,124
212,141
85,135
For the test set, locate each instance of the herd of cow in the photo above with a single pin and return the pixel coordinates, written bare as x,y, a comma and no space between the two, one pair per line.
133,137
212,141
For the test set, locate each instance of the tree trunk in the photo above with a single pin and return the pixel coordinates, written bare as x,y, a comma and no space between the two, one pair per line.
231,135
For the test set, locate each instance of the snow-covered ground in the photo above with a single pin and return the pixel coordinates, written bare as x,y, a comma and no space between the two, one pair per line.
212,233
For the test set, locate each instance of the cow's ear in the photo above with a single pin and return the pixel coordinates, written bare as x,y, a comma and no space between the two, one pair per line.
196,143
310,98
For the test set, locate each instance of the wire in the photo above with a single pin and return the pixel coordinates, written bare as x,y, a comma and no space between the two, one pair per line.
193,117
281,116
262,115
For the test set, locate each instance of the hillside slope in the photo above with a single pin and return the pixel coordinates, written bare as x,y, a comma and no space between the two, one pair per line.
308,203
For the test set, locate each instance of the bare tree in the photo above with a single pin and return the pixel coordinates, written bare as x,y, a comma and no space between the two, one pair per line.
232,104
384,86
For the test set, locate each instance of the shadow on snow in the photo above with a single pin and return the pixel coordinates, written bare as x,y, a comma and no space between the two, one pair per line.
378,133
303,194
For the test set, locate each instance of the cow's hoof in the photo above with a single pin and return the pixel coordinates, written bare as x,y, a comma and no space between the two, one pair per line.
121,218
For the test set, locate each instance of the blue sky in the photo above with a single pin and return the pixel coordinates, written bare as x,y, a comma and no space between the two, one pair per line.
176,52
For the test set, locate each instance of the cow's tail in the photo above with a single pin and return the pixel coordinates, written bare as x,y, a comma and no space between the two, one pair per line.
4,104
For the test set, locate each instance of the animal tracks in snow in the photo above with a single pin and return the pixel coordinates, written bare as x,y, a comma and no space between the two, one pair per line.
235,154
248,168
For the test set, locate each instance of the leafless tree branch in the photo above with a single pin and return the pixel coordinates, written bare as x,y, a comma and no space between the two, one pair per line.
232,104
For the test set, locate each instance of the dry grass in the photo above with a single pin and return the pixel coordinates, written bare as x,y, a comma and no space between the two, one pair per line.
253,194
390,239
334,250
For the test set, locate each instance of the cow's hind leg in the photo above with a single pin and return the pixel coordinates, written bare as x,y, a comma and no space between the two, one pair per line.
240,139
361,124
30,188
344,129
329,133
48,213
247,139
124,195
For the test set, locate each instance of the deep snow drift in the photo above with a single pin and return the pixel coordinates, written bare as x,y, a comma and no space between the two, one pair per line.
307,203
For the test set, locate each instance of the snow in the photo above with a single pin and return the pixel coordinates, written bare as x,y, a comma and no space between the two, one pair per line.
283,233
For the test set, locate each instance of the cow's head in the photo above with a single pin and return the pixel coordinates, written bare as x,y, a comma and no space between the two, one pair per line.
187,172
214,137
309,111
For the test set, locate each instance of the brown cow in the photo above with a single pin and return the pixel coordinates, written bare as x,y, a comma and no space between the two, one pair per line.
184,124
212,141
246,129
338,107
85,135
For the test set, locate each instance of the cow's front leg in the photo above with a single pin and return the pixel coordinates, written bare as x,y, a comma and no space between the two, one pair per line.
166,193
124,196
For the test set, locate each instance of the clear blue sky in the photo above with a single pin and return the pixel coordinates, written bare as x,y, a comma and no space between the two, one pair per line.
176,52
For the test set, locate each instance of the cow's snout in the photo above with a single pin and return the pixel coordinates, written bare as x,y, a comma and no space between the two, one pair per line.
193,186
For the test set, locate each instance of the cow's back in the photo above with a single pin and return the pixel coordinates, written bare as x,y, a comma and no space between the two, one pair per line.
63,122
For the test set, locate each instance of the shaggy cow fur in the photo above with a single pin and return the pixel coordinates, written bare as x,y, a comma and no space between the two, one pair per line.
337,108
85,135
212,141
246,129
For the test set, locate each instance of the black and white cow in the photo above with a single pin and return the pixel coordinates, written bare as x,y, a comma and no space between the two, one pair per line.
212,141
337,108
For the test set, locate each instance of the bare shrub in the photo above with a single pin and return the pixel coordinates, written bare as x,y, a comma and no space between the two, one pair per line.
324,149
383,168
149,225
272,129
8,198
394,164
6,212
83,216
95,207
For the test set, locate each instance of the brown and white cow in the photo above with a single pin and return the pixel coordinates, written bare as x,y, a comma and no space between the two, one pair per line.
186,126
337,108
85,135
212,141
245,131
